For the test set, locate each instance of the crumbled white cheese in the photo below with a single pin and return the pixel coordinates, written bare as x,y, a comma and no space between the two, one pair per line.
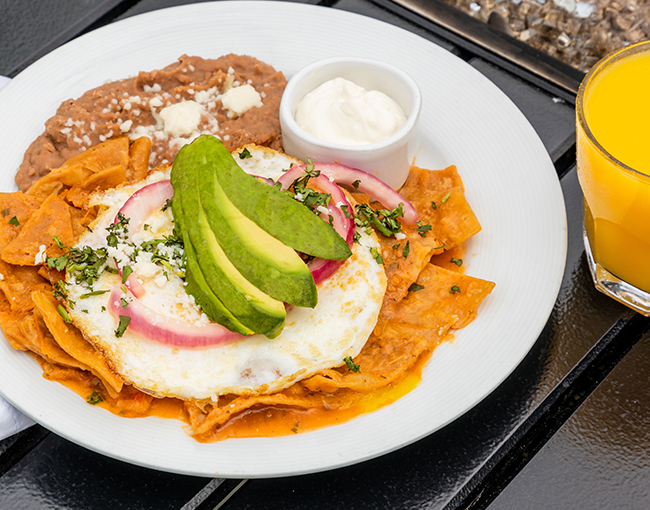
153,88
125,126
40,257
400,235
181,119
240,99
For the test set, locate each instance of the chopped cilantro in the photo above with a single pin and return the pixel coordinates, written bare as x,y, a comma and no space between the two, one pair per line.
455,289
376,255
94,398
60,290
384,220
423,229
434,206
245,154
309,197
118,231
126,271
14,221
121,328
407,249
356,183
168,204
124,302
85,263
458,262
64,314
352,366
415,287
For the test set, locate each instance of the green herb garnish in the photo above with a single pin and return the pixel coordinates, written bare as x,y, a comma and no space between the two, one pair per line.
406,250
121,328
64,314
423,229
94,398
352,366
415,287
126,271
384,220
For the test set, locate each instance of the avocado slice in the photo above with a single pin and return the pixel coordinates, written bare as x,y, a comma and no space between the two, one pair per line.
271,209
205,298
195,281
273,267
250,307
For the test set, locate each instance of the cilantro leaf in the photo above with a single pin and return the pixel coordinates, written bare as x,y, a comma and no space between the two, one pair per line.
121,328
407,249
415,287
352,366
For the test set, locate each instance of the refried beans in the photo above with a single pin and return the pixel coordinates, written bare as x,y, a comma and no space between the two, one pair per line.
234,97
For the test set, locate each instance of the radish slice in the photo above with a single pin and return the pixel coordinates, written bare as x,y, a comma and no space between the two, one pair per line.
142,204
153,326
368,184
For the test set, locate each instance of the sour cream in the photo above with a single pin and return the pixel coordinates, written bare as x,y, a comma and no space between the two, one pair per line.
340,111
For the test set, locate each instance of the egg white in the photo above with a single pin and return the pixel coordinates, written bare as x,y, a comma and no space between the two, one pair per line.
312,340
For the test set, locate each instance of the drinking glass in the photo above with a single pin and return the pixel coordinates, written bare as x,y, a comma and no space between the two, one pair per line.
613,154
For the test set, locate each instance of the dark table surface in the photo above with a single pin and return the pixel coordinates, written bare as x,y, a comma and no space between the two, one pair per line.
569,428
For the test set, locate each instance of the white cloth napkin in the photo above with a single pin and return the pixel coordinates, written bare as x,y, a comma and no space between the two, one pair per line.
11,419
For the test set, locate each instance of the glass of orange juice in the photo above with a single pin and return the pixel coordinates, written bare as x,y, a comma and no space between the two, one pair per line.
613,151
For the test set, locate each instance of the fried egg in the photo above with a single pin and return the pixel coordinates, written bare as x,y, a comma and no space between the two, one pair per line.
312,340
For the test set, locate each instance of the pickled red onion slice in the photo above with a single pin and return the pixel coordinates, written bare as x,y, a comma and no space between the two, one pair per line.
367,183
344,225
154,326
142,204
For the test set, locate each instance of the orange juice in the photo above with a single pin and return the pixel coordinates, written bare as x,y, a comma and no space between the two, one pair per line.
613,151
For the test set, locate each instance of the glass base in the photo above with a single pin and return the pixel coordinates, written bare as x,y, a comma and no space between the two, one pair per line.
614,287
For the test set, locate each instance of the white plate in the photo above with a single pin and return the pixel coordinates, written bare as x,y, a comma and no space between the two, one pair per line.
466,121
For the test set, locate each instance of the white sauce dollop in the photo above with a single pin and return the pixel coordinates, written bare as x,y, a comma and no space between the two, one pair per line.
340,111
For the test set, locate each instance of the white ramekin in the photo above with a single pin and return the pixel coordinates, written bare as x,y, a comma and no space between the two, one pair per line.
389,159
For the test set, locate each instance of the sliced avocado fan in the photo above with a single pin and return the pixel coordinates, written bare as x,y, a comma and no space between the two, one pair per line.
239,274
